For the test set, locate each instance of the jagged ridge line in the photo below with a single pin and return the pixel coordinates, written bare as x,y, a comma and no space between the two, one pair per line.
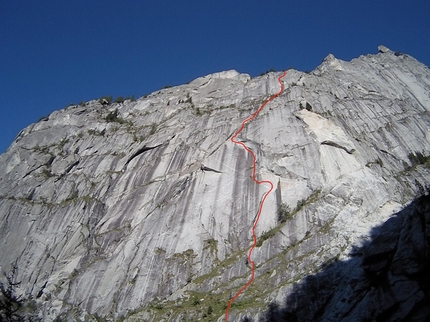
233,139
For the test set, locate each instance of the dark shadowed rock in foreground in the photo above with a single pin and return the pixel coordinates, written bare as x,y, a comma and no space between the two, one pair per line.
388,280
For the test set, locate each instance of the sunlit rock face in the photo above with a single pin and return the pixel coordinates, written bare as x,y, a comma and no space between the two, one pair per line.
114,211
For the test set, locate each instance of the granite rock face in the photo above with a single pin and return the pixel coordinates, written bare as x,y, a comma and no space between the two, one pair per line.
142,210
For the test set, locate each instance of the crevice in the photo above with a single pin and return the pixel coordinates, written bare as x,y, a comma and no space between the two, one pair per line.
140,151
32,170
204,168
40,293
336,145
390,154
68,169
47,164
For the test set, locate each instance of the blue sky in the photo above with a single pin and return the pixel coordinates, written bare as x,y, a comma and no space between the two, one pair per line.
57,52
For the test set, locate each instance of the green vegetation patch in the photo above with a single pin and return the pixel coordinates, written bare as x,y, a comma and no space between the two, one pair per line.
419,158
113,117
285,214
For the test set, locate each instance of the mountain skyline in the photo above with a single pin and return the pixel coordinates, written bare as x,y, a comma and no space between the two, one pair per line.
146,210
57,53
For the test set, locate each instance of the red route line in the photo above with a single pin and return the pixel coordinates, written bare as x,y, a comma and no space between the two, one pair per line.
233,139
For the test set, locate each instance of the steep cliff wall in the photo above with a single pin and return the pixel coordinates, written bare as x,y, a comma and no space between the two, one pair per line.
107,213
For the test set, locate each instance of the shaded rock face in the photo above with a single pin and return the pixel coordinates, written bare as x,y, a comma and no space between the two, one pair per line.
142,210
388,281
